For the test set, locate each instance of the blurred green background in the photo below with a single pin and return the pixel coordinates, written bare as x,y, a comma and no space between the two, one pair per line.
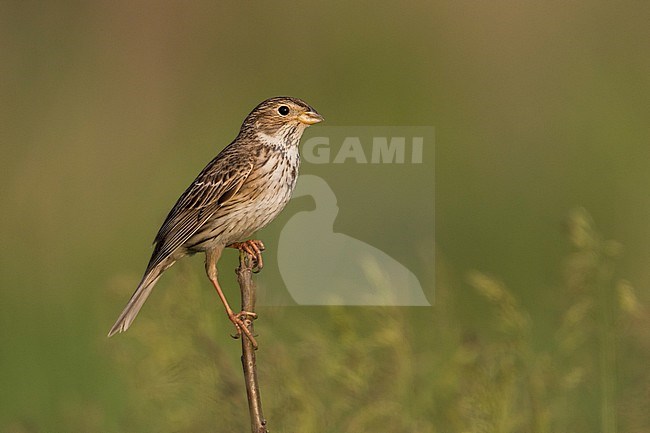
540,319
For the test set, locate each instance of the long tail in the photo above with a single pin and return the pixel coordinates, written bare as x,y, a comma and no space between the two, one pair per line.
137,299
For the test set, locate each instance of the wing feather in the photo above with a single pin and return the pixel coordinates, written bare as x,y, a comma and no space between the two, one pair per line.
219,181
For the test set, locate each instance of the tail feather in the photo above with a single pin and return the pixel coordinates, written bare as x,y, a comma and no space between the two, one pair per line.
137,300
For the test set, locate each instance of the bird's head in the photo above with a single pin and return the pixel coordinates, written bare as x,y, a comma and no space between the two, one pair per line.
281,118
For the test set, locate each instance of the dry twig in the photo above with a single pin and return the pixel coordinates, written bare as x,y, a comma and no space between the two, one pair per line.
258,423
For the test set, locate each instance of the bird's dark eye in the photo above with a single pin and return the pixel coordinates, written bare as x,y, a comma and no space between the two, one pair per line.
283,110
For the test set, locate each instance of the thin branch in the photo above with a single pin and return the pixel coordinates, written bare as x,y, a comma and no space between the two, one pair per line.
258,423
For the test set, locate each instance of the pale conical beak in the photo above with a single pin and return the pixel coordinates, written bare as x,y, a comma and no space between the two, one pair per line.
310,117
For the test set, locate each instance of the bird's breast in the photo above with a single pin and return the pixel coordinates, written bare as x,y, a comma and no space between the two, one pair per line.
263,195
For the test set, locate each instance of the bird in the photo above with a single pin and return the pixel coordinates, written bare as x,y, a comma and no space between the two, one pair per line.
237,193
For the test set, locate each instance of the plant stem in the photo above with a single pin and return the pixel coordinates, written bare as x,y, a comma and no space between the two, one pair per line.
258,423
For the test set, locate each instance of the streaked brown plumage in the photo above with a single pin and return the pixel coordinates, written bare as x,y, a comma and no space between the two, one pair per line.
240,191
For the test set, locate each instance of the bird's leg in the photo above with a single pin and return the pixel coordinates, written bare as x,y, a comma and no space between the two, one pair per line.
211,258
253,248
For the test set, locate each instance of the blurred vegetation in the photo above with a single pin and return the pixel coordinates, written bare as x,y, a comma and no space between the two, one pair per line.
109,109
334,369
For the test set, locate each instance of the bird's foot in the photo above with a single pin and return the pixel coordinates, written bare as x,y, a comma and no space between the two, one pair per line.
241,321
253,248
